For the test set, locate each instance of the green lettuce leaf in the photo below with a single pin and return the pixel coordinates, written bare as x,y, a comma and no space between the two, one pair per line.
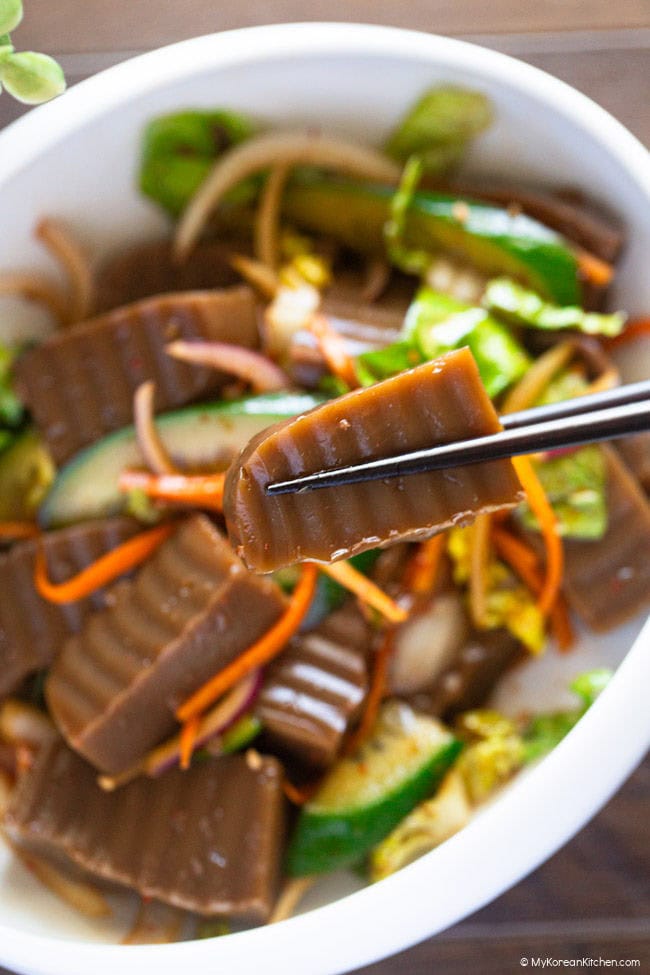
179,150
520,306
575,484
438,323
383,363
545,731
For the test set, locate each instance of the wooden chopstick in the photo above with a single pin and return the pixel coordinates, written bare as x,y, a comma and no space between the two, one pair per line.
587,419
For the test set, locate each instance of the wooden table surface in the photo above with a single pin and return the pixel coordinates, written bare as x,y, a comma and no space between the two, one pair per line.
592,899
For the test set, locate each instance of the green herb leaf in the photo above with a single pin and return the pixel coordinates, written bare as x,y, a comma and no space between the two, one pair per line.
438,323
178,151
575,484
6,48
439,126
32,78
11,14
520,306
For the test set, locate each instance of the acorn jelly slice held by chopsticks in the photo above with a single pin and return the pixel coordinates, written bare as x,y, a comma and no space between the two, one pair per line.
439,402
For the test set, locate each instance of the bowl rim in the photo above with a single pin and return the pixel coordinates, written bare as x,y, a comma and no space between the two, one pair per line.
500,854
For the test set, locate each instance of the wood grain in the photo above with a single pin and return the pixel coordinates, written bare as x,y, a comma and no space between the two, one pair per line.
592,899
99,25
617,78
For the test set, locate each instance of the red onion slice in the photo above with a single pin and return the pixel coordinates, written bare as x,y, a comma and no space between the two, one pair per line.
224,714
150,444
253,367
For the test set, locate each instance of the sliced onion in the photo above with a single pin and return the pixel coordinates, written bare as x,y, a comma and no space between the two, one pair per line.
67,251
6,791
150,444
267,221
37,288
84,897
253,367
378,273
290,312
215,722
427,644
292,893
260,276
276,149
155,924
23,724
535,381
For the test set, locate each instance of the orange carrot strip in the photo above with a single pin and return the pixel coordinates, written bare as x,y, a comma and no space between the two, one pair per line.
524,561
516,553
375,694
594,269
633,330
19,529
189,733
350,578
299,795
261,652
422,569
541,508
332,346
104,570
201,490
561,625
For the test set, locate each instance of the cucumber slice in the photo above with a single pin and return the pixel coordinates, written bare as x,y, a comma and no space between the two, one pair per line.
487,236
198,438
366,794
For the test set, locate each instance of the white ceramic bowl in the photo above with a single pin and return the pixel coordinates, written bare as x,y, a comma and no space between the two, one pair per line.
77,158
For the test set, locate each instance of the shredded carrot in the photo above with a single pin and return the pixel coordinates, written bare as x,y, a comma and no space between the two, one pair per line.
332,346
541,508
107,568
19,529
261,652
350,578
561,625
299,795
595,270
375,694
517,554
189,733
423,567
525,563
201,490
479,558
633,330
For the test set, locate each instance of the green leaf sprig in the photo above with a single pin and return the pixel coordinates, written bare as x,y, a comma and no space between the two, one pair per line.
30,77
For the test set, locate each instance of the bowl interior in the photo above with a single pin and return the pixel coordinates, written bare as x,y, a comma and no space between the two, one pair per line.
78,159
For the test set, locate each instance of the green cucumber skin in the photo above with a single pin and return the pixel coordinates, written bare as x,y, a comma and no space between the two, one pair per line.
488,236
322,843
86,487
